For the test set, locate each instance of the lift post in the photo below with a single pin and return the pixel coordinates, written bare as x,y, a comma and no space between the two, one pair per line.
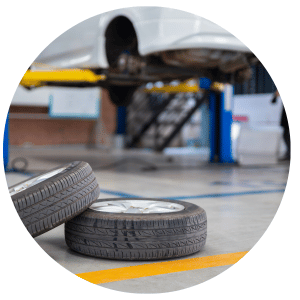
220,108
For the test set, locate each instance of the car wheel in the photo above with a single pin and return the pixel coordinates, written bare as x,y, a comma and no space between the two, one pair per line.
138,229
54,197
121,95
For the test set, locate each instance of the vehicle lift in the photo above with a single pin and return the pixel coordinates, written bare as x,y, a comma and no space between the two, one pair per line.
219,95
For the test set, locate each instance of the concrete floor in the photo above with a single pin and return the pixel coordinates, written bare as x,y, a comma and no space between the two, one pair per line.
240,204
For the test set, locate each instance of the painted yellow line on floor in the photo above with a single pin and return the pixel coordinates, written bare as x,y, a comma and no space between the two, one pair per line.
160,268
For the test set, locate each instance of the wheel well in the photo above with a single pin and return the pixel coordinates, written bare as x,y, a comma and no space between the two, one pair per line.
120,36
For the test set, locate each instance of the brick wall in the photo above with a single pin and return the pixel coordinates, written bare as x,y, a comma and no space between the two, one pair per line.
32,125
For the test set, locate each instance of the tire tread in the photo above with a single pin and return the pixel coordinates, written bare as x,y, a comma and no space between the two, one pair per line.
135,237
57,199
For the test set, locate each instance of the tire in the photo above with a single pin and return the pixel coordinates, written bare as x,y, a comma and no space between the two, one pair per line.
57,199
127,236
121,95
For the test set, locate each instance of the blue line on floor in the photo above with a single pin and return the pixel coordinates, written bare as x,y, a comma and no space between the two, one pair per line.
221,195
8,171
120,194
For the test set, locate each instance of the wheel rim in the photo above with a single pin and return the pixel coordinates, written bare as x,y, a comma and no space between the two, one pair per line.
31,182
138,206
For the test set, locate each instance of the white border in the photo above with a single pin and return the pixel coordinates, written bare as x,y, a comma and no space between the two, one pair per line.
270,30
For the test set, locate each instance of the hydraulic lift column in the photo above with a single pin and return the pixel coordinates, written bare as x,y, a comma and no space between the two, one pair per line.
220,110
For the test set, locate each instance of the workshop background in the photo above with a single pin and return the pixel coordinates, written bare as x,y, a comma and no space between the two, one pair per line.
226,154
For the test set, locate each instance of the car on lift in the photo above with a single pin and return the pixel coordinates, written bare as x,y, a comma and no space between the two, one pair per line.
133,46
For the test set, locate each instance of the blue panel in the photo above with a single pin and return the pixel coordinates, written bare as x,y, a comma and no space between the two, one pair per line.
6,144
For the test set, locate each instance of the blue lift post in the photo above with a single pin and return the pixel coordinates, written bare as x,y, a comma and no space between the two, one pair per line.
225,124
220,110
6,144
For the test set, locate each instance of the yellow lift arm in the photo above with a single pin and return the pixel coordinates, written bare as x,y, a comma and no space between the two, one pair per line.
38,78
184,87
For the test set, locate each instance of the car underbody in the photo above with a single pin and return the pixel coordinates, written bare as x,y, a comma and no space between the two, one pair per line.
129,72
218,65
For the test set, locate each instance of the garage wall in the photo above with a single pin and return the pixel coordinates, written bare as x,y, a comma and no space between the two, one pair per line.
258,108
30,123
35,97
48,132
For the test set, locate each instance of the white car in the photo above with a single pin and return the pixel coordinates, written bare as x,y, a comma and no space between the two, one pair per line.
136,45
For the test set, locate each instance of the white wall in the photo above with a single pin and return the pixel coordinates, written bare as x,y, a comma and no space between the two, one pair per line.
35,97
258,108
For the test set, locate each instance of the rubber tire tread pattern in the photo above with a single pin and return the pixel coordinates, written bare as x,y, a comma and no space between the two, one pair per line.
58,199
138,236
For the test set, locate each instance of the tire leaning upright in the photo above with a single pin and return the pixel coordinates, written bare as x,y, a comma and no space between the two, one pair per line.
54,197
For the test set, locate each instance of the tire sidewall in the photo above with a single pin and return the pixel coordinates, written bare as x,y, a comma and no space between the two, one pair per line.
189,209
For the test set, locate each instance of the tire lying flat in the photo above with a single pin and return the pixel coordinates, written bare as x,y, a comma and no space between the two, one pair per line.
138,236
48,203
